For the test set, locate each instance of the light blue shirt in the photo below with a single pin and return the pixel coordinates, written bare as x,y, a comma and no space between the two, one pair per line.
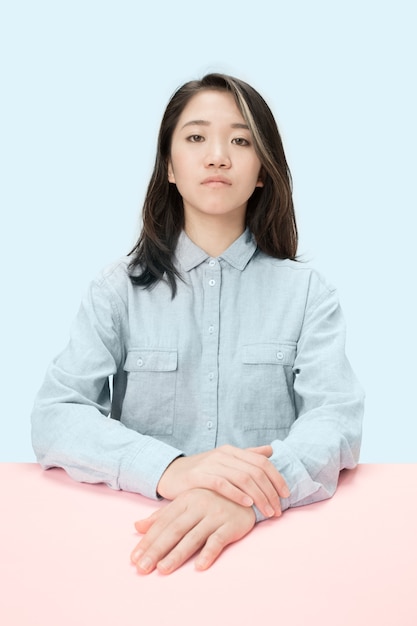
249,352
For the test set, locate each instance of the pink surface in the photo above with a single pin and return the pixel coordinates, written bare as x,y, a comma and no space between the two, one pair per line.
348,561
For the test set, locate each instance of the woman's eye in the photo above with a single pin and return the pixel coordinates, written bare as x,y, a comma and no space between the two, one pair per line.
195,138
240,141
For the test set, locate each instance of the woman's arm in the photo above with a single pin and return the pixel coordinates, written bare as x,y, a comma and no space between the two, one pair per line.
71,427
326,436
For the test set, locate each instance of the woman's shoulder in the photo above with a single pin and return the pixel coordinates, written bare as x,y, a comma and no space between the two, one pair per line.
113,281
115,272
297,273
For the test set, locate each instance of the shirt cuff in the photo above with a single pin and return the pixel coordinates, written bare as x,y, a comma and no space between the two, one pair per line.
142,473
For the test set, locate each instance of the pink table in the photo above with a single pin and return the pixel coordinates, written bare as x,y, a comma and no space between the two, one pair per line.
349,561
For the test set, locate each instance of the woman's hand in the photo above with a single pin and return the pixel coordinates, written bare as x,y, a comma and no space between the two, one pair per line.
245,477
196,519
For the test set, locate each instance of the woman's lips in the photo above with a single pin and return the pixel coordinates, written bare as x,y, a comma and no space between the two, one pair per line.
216,181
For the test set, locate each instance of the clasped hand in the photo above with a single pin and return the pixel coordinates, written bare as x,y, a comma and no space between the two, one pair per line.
212,495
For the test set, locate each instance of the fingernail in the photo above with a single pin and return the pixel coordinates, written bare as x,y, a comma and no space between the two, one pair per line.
269,510
285,492
136,555
201,563
247,501
166,565
145,564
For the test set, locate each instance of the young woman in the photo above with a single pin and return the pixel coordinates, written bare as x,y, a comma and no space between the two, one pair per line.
231,393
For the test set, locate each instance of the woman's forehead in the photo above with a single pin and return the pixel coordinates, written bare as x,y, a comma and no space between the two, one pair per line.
210,105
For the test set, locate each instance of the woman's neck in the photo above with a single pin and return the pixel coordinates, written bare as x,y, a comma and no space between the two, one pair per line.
212,235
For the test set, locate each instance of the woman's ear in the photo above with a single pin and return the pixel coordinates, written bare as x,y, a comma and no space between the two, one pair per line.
171,177
261,178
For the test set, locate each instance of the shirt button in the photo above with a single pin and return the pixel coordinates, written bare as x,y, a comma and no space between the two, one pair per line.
211,330
212,263
211,376
139,362
209,424
212,283
280,355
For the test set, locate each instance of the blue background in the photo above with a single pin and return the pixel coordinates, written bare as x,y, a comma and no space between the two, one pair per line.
83,88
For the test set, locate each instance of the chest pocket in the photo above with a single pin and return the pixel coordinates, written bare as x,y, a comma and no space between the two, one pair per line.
267,394
149,402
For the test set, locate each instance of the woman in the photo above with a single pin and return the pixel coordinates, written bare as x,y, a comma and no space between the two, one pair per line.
231,393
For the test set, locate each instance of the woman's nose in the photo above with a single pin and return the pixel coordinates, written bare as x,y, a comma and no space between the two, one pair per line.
217,156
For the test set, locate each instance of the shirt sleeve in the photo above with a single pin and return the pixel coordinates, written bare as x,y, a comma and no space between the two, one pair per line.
71,427
326,435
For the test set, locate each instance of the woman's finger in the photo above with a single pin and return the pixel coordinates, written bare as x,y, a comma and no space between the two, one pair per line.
174,523
245,478
221,523
261,461
232,530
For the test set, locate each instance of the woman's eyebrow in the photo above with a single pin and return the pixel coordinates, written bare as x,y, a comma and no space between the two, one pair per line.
196,123
206,123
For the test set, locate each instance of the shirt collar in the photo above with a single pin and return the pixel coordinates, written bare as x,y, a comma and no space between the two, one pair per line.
238,255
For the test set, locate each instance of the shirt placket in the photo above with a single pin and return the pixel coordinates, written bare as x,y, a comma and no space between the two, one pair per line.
210,357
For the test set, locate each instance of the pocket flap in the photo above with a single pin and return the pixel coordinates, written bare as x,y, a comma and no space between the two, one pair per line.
269,353
151,360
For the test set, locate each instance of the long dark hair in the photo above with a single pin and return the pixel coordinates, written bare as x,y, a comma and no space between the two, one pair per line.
270,210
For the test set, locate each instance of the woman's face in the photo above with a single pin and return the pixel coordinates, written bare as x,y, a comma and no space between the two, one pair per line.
213,161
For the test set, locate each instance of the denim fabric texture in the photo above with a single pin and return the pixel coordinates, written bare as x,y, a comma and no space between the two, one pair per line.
250,351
